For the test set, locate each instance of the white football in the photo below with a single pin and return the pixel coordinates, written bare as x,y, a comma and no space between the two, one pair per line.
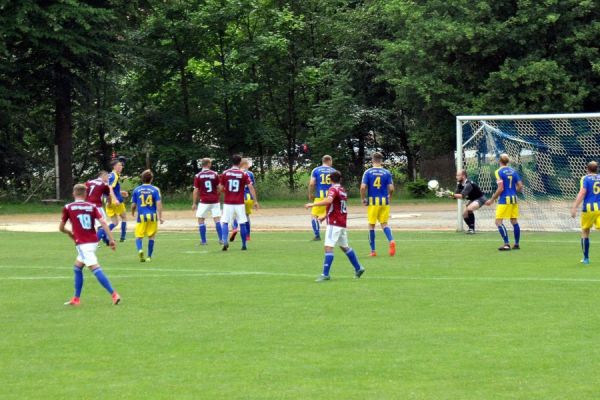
433,184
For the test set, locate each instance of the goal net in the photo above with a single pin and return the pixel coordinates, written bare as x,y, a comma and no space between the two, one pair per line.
550,153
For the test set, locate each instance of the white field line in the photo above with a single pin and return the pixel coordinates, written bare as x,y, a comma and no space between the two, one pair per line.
400,240
184,274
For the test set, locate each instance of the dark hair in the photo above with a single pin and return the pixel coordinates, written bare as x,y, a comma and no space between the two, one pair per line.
236,159
147,176
335,177
114,162
593,167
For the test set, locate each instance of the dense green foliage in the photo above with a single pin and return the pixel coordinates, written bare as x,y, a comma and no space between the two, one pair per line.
197,323
165,83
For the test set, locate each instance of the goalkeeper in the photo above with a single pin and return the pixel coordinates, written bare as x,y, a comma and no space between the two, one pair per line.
468,190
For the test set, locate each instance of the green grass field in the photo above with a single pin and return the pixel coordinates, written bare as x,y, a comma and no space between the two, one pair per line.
448,318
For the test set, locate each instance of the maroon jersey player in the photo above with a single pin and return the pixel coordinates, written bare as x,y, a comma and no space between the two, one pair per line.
82,215
206,199
336,234
233,184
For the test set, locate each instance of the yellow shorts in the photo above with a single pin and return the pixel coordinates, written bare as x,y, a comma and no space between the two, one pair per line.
146,228
379,214
590,219
319,211
249,204
507,211
111,210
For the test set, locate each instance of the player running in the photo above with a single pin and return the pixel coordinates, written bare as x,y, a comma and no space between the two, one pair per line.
248,201
96,190
376,188
589,194
233,183
115,209
509,183
82,216
206,192
146,200
468,190
318,186
336,234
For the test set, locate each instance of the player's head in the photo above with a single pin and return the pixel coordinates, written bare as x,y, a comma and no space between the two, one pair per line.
592,167
79,191
377,158
236,160
327,160
206,163
245,163
103,175
117,166
461,175
147,177
504,160
335,177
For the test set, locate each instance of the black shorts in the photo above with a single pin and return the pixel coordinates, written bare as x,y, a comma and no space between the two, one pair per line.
480,200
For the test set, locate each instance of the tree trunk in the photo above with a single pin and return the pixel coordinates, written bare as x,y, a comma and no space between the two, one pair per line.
63,134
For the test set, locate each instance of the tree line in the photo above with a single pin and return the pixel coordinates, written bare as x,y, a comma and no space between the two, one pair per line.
284,82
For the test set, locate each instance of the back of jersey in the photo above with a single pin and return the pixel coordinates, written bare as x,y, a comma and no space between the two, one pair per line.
509,178
377,181
145,198
322,180
591,201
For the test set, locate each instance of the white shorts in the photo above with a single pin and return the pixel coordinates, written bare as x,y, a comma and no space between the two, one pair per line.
335,235
234,211
86,253
203,210
103,213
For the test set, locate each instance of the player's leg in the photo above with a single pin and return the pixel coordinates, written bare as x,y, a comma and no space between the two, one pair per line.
114,218
241,218
316,213
140,232
248,204
501,211
151,229
515,223
202,230
89,258
215,210
343,243
123,222
100,234
78,282
331,236
372,220
470,215
225,225
585,245
383,217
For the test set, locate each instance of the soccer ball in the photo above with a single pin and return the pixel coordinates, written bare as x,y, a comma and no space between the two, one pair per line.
433,184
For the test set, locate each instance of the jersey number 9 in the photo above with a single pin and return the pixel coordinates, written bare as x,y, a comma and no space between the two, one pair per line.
208,186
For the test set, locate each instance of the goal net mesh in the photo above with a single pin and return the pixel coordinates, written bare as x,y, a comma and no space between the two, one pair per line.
550,155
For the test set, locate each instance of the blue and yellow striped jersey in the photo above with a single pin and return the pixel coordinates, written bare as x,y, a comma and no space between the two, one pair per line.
377,181
145,198
510,178
247,194
323,182
591,184
114,182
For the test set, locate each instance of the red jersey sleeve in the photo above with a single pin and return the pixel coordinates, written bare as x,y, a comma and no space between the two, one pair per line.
65,214
331,192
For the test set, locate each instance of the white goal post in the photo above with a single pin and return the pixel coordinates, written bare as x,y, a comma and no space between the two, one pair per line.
549,151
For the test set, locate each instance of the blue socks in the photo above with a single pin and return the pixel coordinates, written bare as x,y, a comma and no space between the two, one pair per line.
225,233
388,233
78,280
150,247
503,233
517,232
103,280
372,239
202,230
112,226
353,259
316,227
123,229
585,246
219,231
138,244
243,233
100,234
327,263
235,224
248,227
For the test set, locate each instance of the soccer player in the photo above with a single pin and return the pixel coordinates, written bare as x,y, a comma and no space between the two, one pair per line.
146,200
336,234
96,190
248,199
115,209
318,186
375,190
82,216
233,184
589,194
206,191
509,183
468,190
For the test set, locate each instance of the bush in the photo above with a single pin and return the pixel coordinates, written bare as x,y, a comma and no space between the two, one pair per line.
418,188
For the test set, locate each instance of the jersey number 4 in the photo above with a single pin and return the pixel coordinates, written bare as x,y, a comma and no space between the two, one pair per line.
377,182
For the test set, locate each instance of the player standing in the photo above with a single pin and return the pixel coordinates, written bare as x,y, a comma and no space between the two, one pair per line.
468,190
336,234
318,186
233,184
146,200
206,191
509,183
376,188
82,216
589,194
96,190
115,209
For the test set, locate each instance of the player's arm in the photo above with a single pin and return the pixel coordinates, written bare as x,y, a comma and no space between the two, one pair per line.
465,192
363,193
253,193
111,239
133,208
578,200
159,210
519,186
195,197
311,188
325,202
62,228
